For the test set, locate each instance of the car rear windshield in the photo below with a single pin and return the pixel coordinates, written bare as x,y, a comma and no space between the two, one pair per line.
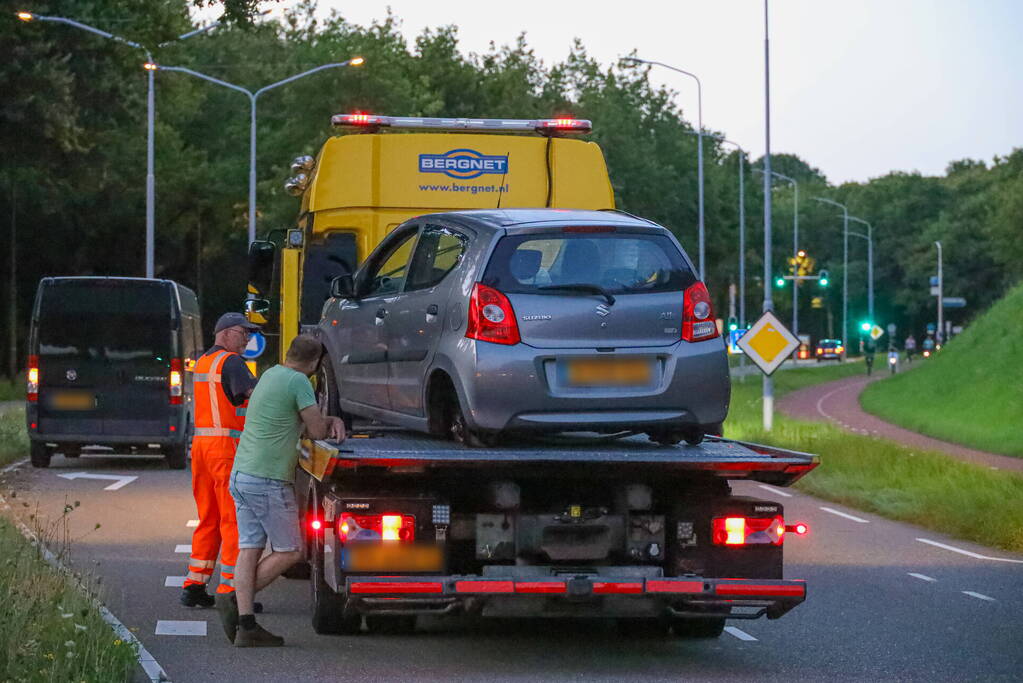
105,320
617,262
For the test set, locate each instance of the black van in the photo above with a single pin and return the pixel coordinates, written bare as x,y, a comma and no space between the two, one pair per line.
109,364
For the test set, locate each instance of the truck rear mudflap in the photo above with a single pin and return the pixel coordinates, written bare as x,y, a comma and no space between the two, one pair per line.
603,595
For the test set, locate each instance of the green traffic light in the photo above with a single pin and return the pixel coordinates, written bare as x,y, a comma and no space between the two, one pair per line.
824,282
780,282
733,327
866,326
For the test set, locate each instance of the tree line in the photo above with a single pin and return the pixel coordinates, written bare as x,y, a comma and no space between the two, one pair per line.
73,126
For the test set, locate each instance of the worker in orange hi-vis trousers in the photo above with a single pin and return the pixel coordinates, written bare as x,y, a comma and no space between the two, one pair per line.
222,384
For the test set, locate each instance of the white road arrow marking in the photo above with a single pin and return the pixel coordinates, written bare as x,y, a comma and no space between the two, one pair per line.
120,481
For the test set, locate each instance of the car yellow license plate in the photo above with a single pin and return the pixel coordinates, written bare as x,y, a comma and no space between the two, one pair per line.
609,372
397,557
73,400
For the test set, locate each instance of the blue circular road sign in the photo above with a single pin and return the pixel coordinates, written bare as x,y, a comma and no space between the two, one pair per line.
255,347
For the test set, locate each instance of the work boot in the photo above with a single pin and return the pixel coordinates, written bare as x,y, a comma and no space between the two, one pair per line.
227,605
195,595
257,637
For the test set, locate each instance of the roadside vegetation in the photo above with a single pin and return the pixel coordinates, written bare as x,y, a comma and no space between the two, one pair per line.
13,438
925,488
969,393
50,630
12,389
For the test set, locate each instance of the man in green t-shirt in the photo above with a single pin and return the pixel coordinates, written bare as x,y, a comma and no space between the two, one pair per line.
262,484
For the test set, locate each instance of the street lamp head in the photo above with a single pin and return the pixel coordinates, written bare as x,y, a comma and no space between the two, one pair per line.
26,16
150,66
630,62
356,61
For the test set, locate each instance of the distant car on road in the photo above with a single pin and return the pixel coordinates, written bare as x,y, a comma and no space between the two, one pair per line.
830,349
473,323
107,366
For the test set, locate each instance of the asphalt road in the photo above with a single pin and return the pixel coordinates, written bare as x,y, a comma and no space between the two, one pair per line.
882,604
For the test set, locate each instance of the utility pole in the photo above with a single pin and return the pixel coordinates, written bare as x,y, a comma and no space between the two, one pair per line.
941,294
768,301
12,323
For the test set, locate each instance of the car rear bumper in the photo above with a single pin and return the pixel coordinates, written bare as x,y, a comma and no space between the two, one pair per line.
522,387
606,595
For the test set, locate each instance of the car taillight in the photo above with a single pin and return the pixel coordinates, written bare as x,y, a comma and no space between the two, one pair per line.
839,349
491,317
697,314
175,380
389,527
32,380
747,530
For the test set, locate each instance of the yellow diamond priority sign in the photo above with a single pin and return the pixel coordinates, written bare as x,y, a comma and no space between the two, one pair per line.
876,332
768,343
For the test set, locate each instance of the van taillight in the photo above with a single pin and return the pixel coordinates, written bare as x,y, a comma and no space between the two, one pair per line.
747,530
697,314
389,527
176,386
32,380
491,317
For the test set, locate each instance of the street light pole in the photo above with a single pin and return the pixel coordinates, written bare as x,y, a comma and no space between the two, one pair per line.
941,293
253,97
742,231
150,118
699,142
795,245
768,386
870,264
845,267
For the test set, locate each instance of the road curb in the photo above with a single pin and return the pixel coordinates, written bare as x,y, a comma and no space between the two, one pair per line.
154,672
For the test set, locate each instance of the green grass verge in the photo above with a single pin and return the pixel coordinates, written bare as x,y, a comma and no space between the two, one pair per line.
13,438
971,392
924,488
49,630
12,389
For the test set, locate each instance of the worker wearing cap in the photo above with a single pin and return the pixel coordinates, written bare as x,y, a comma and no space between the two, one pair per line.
222,385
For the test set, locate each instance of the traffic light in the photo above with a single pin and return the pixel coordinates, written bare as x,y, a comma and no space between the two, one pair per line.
866,326
823,281
733,324
779,282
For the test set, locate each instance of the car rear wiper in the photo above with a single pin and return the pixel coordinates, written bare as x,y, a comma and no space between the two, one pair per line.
583,287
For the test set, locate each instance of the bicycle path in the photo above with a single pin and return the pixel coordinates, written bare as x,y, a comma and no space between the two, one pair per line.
839,402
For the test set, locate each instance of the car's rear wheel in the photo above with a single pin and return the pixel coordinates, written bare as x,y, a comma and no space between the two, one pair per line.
462,433
39,454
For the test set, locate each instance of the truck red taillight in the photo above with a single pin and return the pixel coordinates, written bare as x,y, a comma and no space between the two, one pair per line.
176,382
747,530
697,314
388,527
491,317
32,380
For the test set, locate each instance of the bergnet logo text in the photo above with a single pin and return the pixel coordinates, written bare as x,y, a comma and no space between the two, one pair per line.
463,164
469,189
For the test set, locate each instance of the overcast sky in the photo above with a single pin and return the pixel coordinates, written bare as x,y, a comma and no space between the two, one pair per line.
858,89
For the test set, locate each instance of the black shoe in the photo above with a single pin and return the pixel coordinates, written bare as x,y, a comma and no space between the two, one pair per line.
196,596
257,637
227,605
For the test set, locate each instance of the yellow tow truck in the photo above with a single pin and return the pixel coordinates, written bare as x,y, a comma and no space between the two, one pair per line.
389,169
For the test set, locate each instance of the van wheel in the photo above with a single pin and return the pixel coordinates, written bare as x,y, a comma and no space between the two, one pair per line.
327,397
177,457
39,454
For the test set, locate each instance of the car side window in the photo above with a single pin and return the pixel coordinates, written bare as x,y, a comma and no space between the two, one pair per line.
439,251
389,276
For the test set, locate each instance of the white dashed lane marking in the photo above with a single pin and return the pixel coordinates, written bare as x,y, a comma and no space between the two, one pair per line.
192,523
922,577
847,516
183,548
180,628
174,581
738,633
774,490
979,596
976,556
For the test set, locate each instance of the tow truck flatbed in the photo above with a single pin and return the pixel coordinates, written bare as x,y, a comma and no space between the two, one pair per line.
394,449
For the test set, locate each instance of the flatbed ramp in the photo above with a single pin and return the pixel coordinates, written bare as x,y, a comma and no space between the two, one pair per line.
401,450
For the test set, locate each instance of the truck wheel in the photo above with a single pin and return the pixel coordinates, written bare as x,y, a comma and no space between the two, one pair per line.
327,397
39,454
177,457
698,628
329,617
391,624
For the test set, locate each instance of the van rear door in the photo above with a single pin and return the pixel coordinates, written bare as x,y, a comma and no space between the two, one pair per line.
105,347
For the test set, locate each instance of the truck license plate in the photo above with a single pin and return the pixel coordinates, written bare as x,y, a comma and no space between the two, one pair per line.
611,372
397,557
73,400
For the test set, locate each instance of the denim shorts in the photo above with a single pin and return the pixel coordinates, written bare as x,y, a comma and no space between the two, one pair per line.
266,511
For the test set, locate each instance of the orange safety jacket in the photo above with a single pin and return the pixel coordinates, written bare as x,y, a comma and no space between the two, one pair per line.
218,426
